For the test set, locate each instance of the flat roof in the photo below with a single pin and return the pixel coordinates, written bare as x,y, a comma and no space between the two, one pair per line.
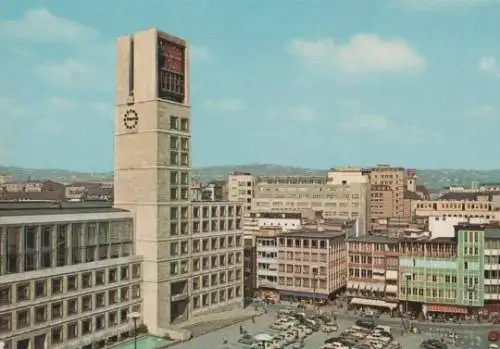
36,208
312,233
374,238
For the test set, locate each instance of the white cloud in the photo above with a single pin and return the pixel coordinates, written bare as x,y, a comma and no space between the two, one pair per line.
484,113
424,5
199,53
489,64
41,25
62,104
302,113
367,122
70,73
11,109
231,105
364,53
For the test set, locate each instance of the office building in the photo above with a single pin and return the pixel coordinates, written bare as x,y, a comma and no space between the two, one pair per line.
69,277
240,187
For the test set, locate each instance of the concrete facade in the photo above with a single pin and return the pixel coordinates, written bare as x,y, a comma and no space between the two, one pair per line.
67,280
152,180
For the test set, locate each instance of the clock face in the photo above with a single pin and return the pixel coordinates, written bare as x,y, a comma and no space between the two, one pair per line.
130,119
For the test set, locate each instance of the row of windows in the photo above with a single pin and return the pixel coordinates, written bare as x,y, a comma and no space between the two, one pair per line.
221,296
216,225
216,243
216,211
303,282
305,269
206,263
215,279
429,292
38,315
26,291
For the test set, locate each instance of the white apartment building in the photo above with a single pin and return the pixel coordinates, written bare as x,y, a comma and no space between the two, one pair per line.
492,266
241,188
267,258
310,195
69,276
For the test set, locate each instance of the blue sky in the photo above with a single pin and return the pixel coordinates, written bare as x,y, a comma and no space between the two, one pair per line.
314,83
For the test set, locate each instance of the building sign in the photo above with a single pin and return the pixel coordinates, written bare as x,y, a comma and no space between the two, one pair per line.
171,66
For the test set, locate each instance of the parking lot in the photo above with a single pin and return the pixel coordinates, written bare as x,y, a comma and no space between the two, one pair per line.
263,323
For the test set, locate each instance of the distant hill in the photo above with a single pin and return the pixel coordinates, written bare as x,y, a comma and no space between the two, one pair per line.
433,179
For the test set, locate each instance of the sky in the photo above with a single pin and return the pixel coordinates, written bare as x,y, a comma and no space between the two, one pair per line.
316,83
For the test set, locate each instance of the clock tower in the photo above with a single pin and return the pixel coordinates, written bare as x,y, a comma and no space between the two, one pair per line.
152,163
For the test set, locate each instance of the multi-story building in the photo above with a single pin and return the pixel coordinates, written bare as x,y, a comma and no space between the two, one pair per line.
192,251
212,191
68,277
32,190
444,275
381,203
458,204
311,195
285,220
4,178
312,263
89,191
372,278
394,178
240,188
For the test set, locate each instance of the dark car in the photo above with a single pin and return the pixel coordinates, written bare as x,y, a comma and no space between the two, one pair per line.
246,339
369,324
333,339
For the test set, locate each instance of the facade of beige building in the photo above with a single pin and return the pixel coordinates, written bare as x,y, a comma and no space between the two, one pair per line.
152,180
393,178
310,194
240,187
300,264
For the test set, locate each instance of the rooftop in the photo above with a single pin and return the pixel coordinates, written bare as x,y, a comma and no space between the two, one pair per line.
313,233
374,238
32,208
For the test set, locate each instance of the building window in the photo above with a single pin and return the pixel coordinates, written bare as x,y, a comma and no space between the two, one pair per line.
72,306
100,323
5,295
136,291
23,292
112,275
56,286
124,294
100,278
56,335
72,282
86,326
57,310
100,300
124,273
112,319
5,323
87,303
23,319
112,297
72,330
40,314
86,280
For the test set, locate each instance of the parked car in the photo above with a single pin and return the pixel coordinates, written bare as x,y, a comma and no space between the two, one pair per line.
369,324
493,336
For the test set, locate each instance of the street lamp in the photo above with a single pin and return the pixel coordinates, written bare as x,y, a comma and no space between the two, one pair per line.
135,316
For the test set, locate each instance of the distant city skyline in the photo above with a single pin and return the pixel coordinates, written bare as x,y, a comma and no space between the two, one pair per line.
405,82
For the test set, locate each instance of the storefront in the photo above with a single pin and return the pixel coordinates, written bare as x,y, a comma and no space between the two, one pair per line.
373,303
296,296
430,310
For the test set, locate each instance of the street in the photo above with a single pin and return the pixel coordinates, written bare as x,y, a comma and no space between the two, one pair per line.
468,337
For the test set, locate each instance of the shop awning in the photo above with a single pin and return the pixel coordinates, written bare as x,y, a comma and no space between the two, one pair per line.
373,303
391,288
391,274
435,308
303,294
